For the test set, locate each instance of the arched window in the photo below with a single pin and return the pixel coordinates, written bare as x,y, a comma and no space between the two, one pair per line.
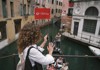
89,24
92,11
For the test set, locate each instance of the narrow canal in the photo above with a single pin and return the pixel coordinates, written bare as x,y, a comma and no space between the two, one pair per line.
67,46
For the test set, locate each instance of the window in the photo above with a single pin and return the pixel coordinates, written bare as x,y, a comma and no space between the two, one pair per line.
89,25
28,9
56,10
61,3
70,11
52,11
24,10
21,10
12,9
3,30
17,25
92,11
52,1
4,9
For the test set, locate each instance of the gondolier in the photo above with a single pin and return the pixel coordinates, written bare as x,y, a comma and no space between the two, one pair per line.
58,39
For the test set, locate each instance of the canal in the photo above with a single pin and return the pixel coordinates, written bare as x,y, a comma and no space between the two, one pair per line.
68,47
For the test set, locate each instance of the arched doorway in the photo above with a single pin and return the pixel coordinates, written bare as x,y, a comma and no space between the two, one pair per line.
90,24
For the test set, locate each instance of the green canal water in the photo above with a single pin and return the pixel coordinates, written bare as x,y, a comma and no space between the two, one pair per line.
67,46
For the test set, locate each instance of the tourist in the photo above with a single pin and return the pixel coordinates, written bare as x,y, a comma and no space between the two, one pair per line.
59,63
29,36
65,66
51,67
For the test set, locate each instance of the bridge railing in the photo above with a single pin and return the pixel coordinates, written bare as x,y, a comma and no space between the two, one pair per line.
10,61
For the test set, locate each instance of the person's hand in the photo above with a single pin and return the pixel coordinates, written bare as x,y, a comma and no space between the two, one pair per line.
44,42
50,48
45,38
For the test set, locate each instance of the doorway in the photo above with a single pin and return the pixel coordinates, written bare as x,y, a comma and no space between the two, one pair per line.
76,24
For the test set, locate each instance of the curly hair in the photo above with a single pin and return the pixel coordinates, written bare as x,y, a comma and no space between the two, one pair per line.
29,34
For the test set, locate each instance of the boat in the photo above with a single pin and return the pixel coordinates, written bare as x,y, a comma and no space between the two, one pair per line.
60,62
95,51
57,51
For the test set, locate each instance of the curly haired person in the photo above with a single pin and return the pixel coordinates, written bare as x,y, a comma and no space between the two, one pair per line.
29,36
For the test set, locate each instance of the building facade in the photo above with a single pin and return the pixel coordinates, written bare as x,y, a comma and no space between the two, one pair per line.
14,14
86,20
67,15
54,5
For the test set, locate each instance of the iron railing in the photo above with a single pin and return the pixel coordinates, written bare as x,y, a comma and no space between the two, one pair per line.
14,61
85,38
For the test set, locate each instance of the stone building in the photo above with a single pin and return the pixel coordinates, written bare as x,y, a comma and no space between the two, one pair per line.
86,20
66,17
13,15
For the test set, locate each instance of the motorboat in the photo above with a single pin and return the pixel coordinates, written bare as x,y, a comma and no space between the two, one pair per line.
96,51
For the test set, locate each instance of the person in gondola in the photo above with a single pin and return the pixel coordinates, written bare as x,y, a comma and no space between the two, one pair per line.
59,63
58,39
65,66
51,67
29,51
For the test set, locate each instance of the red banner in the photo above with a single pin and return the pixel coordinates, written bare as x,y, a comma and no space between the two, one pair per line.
42,13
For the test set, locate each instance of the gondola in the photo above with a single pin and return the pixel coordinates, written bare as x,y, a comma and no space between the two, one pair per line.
57,51
95,51
60,62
